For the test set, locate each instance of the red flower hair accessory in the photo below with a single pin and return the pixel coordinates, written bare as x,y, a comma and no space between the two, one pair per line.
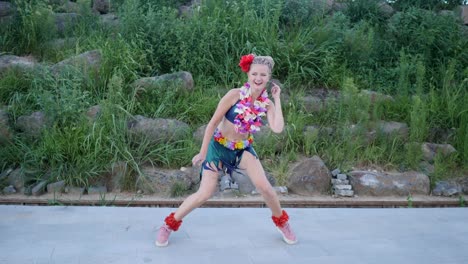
282,220
172,222
246,61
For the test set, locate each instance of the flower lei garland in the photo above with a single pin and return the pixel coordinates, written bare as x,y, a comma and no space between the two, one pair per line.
249,117
232,145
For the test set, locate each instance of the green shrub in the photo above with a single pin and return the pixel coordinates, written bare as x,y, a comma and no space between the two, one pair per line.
368,10
436,38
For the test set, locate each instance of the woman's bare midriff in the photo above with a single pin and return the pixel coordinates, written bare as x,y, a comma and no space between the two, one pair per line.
228,130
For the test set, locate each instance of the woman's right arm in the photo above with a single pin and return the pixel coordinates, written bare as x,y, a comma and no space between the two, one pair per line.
223,106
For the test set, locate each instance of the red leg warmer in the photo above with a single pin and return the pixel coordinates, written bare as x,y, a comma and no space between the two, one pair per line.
172,222
282,220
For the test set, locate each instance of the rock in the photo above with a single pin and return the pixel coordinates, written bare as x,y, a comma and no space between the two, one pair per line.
245,184
464,13
346,193
225,182
317,132
188,9
159,130
339,7
179,79
57,2
193,173
110,20
199,134
389,184
70,7
393,128
310,177
185,11
5,174
342,187
426,167
338,182
324,6
93,113
7,21
312,103
6,9
33,124
449,13
61,43
463,182
385,9
39,188
430,150
441,135
16,178
102,6
119,172
266,138
446,188
341,176
9,189
75,190
56,187
162,181
97,190
5,132
361,133
11,62
87,61
335,172
281,189
229,193
377,97
65,22
27,190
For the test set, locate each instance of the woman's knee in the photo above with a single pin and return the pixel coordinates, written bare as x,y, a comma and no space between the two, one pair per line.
208,185
266,190
204,195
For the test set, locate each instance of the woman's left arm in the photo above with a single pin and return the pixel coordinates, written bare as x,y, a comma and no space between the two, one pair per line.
274,112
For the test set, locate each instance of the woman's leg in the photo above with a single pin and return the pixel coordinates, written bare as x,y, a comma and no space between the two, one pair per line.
254,169
257,175
207,187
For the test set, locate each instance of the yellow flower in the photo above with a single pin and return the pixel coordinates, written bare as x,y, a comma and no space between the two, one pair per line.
222,141
239,145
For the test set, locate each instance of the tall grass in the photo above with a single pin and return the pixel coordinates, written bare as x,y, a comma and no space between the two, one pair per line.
416,56
33,27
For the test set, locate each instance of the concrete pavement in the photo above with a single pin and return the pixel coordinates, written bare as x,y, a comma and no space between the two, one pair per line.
75,234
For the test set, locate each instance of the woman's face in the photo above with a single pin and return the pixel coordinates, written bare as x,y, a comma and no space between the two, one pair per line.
258,75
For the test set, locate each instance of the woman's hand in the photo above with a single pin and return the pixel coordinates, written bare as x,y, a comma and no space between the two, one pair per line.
198,159
275,91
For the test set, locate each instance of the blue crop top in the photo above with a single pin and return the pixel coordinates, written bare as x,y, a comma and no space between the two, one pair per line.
231,114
